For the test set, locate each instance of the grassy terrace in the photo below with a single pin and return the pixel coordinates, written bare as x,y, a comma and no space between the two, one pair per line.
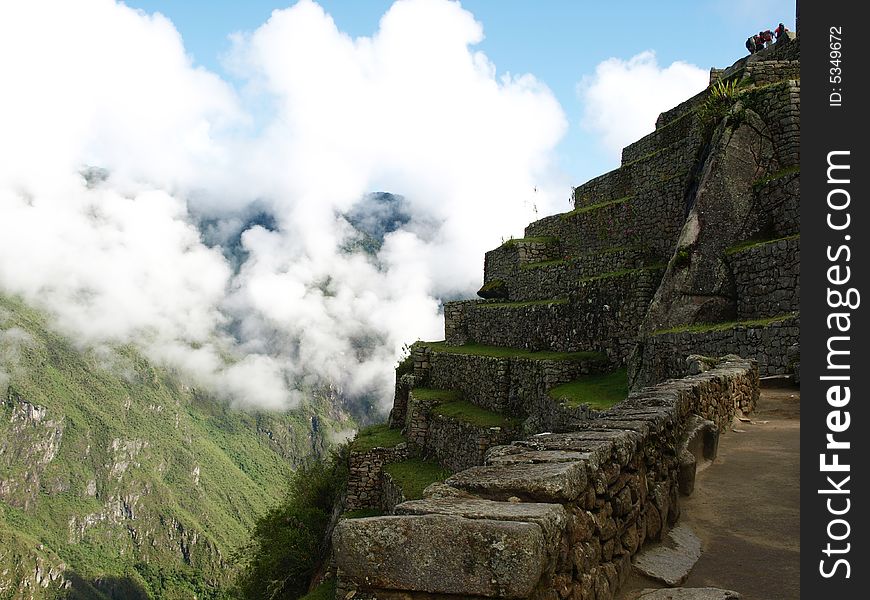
544,263
376,436
530,240
753,243
622,272
467,412
708,327
415,475
500,352
598,391
523,304
596,206
427,394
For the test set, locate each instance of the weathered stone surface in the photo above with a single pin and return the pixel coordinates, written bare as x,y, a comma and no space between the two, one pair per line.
442,554
552,518
558,482
672,559
706,593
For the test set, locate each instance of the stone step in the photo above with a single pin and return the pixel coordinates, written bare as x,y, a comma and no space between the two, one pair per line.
651,219
557,278
552,518
430,553
503,380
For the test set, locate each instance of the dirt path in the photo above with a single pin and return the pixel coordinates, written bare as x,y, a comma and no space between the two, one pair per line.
746,507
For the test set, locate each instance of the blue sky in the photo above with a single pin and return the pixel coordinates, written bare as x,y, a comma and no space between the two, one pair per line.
558,41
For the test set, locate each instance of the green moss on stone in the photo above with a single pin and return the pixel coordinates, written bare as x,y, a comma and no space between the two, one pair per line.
496,288
709,327
544,263
415,475
598,391
524,303
753,243
430,394
376,436
763,181
531,240
501,352
472,414
596,206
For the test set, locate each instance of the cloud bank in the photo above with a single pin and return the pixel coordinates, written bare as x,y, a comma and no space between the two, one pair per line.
145,200
624,97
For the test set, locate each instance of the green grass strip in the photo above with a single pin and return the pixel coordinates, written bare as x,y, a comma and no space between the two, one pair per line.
427,394
376,436
415,475
753,243
708,327
472,414
622,272
591,207
762,181
531,240
523,304
544,263
598,391
501,352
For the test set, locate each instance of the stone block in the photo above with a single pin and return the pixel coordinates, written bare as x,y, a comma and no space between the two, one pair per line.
551,482
441,554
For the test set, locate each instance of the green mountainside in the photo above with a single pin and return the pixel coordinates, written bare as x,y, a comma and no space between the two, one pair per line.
117,481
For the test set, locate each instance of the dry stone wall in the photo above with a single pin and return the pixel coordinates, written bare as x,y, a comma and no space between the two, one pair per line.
366,471
458,445
510,386
552,516
766,343
767,278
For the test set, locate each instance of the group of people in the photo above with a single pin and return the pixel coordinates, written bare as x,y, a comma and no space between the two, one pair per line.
764,39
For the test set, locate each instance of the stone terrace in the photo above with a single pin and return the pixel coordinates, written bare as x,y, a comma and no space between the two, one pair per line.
555,474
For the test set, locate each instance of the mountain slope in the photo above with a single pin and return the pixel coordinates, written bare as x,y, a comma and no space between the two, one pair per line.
117,480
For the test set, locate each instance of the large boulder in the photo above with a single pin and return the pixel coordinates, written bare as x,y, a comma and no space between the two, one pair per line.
442,554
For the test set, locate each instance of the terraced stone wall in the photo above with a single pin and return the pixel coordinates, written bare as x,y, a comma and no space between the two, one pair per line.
766,343
767,278
510,386
651,219
366,475
552,516
458,445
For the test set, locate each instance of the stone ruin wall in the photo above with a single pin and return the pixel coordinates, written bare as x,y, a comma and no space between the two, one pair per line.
552,516
365,477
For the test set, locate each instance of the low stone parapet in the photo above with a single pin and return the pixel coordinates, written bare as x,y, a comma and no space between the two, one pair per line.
551,514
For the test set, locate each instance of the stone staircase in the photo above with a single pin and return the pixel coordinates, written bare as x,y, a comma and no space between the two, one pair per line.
555,474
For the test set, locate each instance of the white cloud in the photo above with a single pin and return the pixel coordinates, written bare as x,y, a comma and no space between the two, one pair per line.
624,97
412,110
